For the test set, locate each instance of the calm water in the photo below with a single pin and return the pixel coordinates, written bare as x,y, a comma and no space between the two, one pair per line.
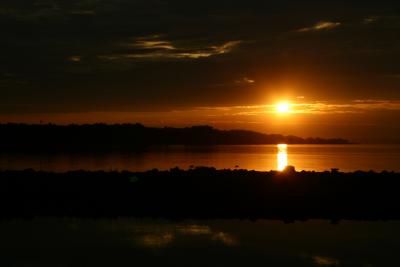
126,242
262,158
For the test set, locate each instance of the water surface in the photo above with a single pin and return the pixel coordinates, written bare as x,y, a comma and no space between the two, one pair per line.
251,157
128,242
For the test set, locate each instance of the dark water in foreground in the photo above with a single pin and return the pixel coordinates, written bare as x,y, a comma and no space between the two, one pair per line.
261,158
126,242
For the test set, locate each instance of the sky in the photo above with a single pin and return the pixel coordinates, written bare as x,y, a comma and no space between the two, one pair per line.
221,63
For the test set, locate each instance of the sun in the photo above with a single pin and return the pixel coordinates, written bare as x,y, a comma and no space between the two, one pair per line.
283,107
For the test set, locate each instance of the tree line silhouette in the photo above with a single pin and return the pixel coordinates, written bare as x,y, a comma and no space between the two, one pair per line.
95,137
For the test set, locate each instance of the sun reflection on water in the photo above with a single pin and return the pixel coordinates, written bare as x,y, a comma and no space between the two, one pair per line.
282,157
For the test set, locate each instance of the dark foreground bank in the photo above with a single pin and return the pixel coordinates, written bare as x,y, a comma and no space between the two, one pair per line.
202,193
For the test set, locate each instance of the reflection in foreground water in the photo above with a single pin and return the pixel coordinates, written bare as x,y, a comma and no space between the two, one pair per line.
125,242
162,236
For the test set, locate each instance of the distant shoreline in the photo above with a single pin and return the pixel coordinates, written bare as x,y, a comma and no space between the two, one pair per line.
133,137
202,193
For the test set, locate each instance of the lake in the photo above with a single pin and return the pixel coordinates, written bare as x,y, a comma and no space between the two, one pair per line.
251,157
131,242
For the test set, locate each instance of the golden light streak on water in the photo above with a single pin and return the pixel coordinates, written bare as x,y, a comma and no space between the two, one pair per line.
282,157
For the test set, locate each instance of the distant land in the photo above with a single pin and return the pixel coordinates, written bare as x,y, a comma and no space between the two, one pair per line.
93,137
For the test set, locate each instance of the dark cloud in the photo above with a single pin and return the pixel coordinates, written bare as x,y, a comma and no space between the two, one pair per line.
122,55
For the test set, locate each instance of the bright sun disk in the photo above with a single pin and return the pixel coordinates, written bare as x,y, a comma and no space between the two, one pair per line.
283,107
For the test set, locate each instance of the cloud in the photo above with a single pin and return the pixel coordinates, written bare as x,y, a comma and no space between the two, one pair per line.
325,261
204,114
226,239
74,59
114,38
225,48
320,26
245,80
156,48
371,19
151,42
156,240
194,230
353,107
356,106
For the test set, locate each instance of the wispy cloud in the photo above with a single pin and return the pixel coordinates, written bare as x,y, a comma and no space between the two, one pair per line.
151,42
194,230
354,107
157,48
225,238
371,19
325,261
320,26
74,59
156,240
209,114
245,80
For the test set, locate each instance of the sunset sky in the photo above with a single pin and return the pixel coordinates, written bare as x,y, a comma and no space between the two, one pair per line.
221,63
